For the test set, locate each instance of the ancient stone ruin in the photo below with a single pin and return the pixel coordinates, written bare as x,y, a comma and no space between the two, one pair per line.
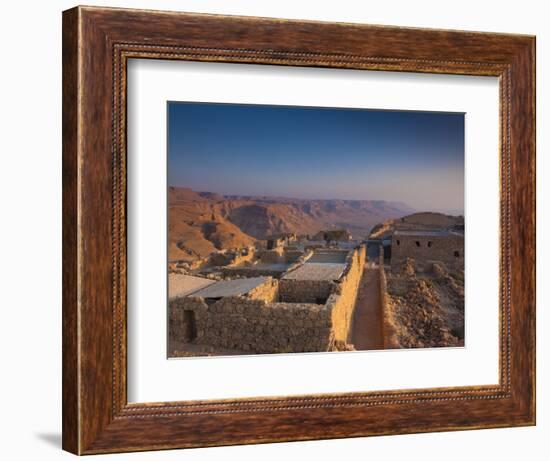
427,246
308,310
319,293
423,288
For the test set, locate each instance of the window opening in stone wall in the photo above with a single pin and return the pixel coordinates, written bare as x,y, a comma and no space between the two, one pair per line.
417,243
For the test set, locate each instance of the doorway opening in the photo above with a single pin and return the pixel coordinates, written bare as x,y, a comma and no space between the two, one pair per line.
190,323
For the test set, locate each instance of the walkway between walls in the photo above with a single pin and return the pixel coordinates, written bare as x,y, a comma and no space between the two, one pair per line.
367,330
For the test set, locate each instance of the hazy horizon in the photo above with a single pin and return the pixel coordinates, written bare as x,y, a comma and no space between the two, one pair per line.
308,153
449,211
282,196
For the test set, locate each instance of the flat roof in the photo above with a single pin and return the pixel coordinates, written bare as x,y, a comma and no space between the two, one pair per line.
280,267
327,256
428,233
316,271
271,266
225,288
182,285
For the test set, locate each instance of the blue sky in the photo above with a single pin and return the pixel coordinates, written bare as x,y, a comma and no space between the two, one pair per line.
318,153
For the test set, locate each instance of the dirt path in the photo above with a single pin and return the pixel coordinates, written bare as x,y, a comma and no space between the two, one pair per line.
367,319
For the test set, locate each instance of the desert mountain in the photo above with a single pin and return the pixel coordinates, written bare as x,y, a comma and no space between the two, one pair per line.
198,226
203,222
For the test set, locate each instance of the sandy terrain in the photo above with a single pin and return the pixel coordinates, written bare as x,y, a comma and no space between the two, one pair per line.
367,331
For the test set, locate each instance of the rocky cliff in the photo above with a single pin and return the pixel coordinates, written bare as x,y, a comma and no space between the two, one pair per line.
203,222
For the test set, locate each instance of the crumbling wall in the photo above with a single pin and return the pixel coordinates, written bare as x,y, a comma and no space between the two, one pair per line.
243,255
183,267
232,257
287,260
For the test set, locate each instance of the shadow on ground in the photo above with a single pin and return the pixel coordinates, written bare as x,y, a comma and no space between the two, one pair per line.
51,438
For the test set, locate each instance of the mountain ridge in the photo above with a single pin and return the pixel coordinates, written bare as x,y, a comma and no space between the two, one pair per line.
202,222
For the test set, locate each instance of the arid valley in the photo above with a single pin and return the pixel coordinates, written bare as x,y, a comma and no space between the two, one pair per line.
202,222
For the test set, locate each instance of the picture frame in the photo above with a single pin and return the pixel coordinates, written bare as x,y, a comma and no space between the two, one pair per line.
97,44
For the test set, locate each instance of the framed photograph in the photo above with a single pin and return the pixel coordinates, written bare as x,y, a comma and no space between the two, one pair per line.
281,230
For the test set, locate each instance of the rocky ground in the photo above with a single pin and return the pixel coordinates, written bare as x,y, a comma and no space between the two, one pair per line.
426,309
204,350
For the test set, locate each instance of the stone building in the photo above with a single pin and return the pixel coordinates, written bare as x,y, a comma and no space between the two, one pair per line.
333,235
274,263
280,240
426,246
232,257
314,280
308,310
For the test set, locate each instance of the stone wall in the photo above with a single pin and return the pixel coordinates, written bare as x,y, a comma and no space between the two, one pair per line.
426,249
282,255
342,301
185,315
389,331
267,292
232,257
263,321
275,255
305,291
290,257
253,325
293,255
